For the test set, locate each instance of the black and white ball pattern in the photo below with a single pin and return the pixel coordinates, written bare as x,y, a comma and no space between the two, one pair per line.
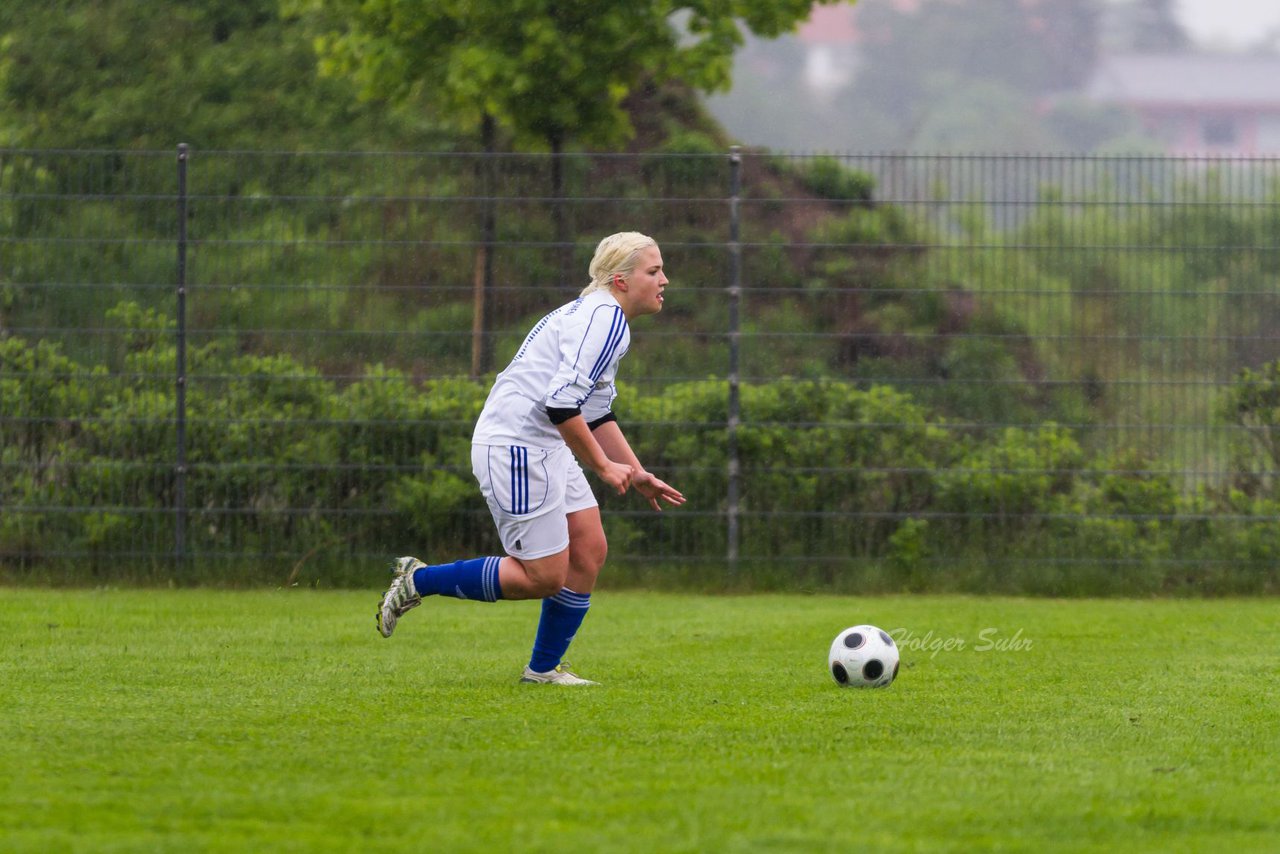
863,657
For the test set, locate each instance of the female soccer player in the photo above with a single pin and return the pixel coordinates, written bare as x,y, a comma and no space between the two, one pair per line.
548,411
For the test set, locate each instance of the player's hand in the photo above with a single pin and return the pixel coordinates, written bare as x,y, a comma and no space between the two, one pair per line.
653,489
616,475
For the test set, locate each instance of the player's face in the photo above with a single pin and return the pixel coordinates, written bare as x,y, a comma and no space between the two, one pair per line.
645,284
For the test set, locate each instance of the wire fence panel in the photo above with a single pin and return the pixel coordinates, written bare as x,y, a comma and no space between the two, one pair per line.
1040,373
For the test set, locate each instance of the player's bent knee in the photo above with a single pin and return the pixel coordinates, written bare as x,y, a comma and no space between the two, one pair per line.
546,576
542,587
590,558
588,546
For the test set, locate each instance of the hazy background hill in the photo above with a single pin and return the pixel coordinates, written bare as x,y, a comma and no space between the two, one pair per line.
990,76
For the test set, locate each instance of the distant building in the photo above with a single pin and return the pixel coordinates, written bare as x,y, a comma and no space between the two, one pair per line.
830,38
1197,103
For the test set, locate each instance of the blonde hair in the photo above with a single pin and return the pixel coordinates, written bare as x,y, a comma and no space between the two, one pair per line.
615,255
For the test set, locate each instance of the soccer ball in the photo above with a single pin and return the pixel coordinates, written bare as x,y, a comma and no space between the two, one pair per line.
863,657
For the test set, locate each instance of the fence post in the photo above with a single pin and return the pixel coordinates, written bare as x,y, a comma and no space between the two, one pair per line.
180,407
735,299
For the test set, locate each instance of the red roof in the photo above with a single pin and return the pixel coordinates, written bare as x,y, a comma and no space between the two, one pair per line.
829,25
838,23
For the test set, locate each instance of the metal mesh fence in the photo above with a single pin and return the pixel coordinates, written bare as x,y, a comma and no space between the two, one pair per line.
869,367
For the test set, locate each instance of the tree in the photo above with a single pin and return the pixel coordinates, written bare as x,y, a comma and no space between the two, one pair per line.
548,72
135,76
129,74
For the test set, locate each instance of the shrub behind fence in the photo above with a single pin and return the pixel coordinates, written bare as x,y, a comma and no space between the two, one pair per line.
1043,374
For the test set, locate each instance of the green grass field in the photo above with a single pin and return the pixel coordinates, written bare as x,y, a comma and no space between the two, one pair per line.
181,720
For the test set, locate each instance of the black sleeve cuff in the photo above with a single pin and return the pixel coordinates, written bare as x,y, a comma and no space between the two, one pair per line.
602,420
559,416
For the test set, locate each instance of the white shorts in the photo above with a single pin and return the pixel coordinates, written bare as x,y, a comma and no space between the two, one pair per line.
531,492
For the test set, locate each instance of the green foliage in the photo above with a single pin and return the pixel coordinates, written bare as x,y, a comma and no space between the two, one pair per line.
828,178
283,461
45,394
217,74
1005,483
1252,410
887,226
983,378
1242,552
273,449
873,300
546,71
689,163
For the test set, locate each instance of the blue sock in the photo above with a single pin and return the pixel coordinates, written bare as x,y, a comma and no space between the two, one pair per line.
562,614
476,578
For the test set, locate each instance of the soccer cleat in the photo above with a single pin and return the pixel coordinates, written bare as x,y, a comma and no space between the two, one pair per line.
561,675
401,595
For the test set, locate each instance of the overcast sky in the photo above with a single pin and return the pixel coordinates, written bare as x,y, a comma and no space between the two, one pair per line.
1229,23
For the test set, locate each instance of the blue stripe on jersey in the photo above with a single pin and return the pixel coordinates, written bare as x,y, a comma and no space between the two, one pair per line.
533,333
614,338
577,401
616,331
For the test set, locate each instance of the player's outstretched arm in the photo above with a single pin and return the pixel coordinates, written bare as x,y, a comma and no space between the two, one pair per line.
580,439
611,439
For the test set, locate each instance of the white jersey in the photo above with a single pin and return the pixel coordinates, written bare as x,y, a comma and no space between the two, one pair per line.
568,361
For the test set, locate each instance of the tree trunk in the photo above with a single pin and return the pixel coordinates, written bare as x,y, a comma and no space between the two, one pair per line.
481,348
563,239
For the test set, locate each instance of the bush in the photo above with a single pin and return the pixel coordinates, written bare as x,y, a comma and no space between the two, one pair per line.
829,178
835,482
